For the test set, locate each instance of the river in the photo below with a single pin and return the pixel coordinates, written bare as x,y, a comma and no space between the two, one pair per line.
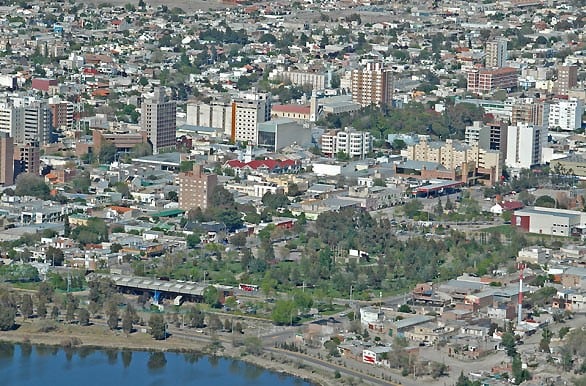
26,365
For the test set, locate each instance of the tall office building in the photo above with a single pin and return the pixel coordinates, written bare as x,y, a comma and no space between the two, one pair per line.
496,53
37,125
249,110
6,159
11,117
61,113
567,79
524,145
372,85
159,120
196,188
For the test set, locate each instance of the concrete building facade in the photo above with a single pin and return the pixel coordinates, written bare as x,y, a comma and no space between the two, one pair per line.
524,145
159,120
196,188
372,85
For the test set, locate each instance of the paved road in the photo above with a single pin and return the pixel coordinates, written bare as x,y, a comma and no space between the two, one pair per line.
315,362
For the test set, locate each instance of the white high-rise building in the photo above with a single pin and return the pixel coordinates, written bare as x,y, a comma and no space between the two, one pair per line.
566,114
524,145
11,117
26,120
38,124
496,53
249,110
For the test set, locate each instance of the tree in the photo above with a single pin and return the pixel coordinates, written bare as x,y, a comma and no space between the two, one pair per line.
71,305
412,208
107,153
214,322
45,292
283,312
26,308
7,318
221,198
238,240
211,295
519,374
55,256
509,343
275,201
545,340
112,315
195,318
42,308
55,312
127,319
83,317
405,308
193,241
545,201
158,327
28,184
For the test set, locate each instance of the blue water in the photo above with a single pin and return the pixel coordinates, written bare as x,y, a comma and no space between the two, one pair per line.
45,366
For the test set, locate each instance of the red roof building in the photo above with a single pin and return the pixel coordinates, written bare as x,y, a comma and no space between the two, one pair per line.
266,166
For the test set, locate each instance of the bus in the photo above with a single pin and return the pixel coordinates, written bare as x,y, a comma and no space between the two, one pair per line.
248,287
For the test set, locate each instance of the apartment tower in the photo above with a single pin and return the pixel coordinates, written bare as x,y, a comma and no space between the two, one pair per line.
372,85
196,188
159,120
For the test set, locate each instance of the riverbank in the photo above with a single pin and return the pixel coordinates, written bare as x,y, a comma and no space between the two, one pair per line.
100,337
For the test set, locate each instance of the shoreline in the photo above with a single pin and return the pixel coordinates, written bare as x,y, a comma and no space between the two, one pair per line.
68,337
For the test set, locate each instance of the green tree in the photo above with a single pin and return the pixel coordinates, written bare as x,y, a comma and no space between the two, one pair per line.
211,295
7,318
28,184
546,335
193,241
284,312
509,343
112,315
275,201
55,256
158,326
519,374
42,308
303,300
412,208
195,318
26,307
55,312
83,317
107,153
127,319
545,201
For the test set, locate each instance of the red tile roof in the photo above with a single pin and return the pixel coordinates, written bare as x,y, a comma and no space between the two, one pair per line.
270,164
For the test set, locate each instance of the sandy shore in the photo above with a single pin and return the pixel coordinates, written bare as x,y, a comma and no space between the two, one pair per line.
101,337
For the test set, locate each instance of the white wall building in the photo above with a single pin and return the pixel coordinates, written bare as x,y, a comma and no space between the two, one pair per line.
248,111
566,114
524,145
350,141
